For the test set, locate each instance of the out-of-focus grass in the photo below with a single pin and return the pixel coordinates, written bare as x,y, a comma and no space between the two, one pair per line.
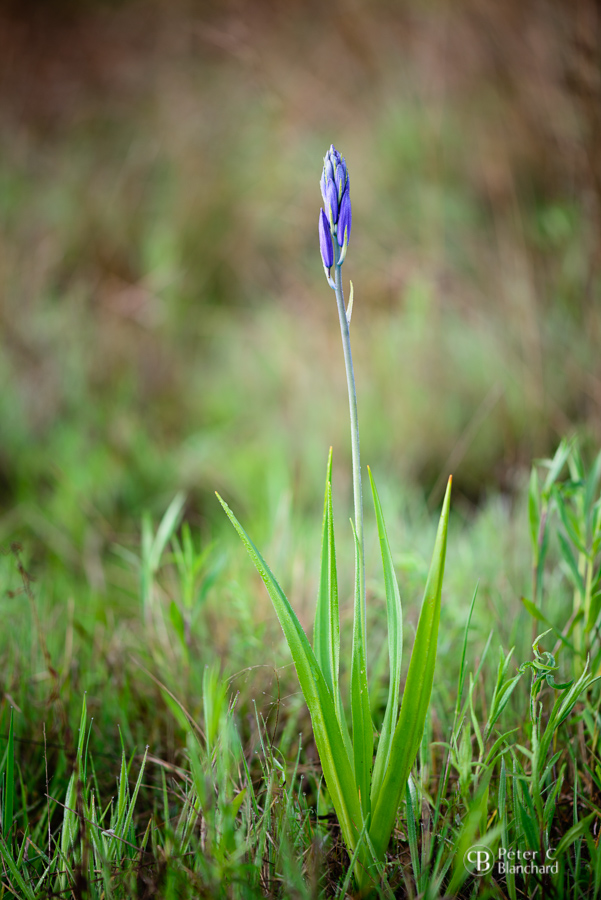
164,317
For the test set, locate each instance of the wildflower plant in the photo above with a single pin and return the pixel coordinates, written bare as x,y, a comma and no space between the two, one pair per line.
366,793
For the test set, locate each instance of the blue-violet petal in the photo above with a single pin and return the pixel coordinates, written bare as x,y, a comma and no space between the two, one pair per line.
325,240
343,233
331,201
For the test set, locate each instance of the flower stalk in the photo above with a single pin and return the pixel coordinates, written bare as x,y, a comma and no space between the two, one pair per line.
354,418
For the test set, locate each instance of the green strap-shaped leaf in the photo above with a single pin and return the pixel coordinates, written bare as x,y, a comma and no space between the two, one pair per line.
334,625
326,633
322,629
363,729
330,743
395,649
416,696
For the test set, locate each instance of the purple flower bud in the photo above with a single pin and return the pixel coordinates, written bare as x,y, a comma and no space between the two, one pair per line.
341,178
343,232
325,240
331,203
335,222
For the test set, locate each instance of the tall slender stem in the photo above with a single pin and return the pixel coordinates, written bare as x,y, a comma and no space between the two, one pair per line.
352,397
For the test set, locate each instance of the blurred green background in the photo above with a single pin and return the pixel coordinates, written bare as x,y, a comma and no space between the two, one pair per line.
164,319
165,327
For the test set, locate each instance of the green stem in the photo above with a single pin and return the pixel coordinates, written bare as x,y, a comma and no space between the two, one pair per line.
352,397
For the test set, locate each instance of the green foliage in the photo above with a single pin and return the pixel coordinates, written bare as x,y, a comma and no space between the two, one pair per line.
402,732
153,547
567,513
143,337
9,783
329,738
242,813
394,620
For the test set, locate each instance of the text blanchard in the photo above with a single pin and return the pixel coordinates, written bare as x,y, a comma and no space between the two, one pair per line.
525,862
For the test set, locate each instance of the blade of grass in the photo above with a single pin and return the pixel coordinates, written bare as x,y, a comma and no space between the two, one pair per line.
353,862
166,529
70,817
9,784
132,803
463,656
153,547
461,681
410,793
7,856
